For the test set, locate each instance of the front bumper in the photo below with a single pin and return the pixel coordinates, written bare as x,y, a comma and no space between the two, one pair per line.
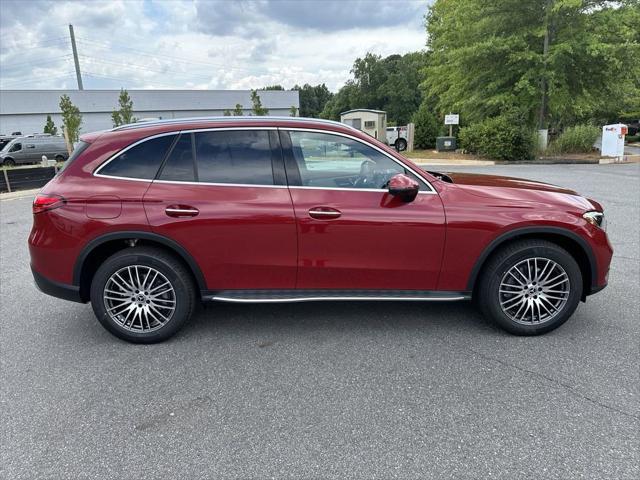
55,289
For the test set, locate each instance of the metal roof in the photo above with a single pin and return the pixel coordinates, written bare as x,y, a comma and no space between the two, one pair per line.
90,101
370,110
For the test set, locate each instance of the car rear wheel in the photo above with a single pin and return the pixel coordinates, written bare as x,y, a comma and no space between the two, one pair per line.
530,287
142,295
401,144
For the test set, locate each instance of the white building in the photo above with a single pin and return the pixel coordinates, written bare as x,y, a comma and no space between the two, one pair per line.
372,122
26,110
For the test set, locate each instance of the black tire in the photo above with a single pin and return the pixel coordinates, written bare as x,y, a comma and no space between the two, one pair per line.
401,144
488,291
9,162
165,263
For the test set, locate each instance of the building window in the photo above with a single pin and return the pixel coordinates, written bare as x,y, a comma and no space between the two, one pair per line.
370,124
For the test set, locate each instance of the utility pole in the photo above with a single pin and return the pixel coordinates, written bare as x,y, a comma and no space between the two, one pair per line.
543,132
544,86
75,57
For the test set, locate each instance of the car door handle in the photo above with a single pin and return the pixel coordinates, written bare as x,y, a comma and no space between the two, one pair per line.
324,213
181,211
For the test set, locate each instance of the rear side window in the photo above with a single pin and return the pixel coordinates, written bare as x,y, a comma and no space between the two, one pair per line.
234,156
140,161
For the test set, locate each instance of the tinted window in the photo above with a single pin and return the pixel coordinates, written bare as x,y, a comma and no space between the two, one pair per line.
241,156
326,160
16,147
141,161
179,164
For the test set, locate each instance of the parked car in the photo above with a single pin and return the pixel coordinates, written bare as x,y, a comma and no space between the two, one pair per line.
146,220
31,148
4,139
397,137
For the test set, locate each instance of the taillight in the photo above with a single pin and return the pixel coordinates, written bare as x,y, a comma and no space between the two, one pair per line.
44,202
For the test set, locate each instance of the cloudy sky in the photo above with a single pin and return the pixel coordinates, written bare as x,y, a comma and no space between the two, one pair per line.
204,44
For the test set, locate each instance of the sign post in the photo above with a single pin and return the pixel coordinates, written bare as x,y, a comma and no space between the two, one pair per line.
451,120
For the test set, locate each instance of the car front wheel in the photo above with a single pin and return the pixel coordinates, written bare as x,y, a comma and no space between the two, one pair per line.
530,287
142,294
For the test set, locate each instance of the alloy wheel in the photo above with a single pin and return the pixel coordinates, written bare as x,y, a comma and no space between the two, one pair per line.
139,298
534,291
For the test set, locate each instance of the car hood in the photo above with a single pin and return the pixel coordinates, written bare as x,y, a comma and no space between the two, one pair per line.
518,191
480,180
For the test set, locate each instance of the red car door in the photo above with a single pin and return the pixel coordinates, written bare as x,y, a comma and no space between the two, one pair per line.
352,234
217,196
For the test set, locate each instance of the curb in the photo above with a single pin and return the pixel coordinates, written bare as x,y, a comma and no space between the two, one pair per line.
19,194
443,161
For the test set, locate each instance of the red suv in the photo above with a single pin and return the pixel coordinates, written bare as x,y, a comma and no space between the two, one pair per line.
146,220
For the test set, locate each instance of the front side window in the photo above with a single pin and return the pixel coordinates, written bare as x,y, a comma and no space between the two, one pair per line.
333,161
140,161
16,147
234,156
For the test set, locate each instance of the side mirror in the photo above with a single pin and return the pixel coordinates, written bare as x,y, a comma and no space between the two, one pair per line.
404,187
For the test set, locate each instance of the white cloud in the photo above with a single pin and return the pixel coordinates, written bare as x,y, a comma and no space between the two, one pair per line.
201,44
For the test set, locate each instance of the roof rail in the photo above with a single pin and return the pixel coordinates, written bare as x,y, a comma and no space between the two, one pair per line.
171,121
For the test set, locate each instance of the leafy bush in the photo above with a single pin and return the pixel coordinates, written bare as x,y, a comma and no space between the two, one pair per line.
426,129
578,139
632,138
499,138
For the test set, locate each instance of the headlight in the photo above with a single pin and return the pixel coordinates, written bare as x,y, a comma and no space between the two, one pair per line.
596,218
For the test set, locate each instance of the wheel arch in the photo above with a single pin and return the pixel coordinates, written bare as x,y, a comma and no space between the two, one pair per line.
570,241
102,247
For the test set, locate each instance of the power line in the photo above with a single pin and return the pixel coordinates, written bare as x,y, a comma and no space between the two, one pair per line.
33,79
122,80
43,44
142,67
35,61
107,46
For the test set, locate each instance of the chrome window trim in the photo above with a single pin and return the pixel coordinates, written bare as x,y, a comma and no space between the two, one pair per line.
96,172
183,182
431,191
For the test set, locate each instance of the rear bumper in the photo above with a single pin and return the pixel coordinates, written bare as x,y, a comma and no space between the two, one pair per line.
55,289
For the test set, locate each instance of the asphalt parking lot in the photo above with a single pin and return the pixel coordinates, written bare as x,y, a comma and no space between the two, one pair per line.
328,390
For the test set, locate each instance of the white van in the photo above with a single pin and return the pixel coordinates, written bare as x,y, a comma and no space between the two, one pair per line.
31,148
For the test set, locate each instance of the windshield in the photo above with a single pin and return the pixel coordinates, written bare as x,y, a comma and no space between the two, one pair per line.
7,146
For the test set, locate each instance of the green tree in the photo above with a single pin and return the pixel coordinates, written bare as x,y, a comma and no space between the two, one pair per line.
390,84
71,118
426,127
556,62
226,113
293,111
50,127
272,87
313,99
124,115
257,109
238,111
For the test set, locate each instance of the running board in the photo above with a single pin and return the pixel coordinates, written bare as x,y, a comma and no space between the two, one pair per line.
284,296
